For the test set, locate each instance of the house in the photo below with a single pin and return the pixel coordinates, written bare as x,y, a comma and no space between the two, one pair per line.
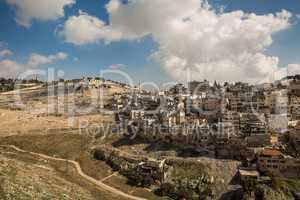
225,130
137,114
278,123
274,161
277,100
294,135
294,87
177,89
294,107
169,119
261,140
153,168
197,87
180,117
270,160
96,82
211,104
252,123
232,117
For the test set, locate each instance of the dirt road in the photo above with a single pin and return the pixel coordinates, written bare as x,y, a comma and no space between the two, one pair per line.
80,172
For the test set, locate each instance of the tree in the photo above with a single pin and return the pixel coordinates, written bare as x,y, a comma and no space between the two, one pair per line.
147,181
249,185
184,193
167,189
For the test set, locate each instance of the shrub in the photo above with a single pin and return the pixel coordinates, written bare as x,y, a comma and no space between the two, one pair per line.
166,189
249,185
147,181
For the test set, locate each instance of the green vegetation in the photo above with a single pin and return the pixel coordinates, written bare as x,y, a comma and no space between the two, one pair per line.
9,84
138,179
188,170
114,163
6,84
193,190
293,184
188,180
249,185
277,183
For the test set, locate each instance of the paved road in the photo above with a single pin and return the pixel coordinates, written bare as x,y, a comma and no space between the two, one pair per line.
80,172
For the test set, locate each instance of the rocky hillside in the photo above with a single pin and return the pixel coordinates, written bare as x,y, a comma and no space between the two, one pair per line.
20,180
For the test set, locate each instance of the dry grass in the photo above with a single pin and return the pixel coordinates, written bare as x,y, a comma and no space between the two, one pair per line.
120,182
32,129
68,146
26,177
74,147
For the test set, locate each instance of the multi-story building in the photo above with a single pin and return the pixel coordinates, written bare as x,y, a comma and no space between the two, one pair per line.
261,140
294,136
252,123
278,102
196,87
270,160
294,107
232,117
137,114
274,161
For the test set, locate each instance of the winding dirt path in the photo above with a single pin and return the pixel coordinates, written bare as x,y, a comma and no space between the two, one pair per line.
80,172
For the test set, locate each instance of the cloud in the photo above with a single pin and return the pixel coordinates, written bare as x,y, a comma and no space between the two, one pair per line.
293,69
10,68
28,10
85,29
5,53
289,70
212,44
37,59
117,66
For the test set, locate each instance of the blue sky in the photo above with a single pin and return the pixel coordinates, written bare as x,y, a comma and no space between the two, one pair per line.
41,38
87,60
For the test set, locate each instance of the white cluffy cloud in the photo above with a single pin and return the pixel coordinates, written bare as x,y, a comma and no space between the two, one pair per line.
117,66
5,52
85,29
10,68
37,59
290,70
212,44
43,10
293,69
